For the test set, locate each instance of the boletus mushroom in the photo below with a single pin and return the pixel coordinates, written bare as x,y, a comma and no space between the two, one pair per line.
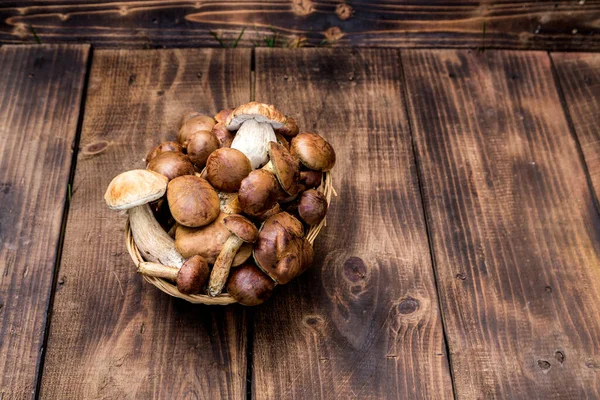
223,114
258,192
241,230
249,286
311,179
132,191
222,134
163,148
281,250
285,167
312,207
191,278
313,151
193,125
200,145
193,201
289,128
171,164
255,124
226,168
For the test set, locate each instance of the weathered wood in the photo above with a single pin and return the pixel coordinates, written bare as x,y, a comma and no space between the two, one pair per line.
364,321
40,96
513,225
579,76
113,335
520,24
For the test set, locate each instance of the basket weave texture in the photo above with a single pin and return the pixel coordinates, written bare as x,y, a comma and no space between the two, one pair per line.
223,299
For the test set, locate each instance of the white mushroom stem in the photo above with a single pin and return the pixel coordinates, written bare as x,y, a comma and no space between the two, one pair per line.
158,270
220,271
150,238
253,139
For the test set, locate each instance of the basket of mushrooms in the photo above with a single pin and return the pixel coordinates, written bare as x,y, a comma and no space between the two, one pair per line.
229,210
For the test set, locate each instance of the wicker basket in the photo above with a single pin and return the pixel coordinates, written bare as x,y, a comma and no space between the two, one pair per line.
223,299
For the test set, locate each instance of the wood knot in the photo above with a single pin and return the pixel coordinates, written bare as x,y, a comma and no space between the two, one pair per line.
592,364
544,365
95,148
560,356
461,276
408,306
302,7
344,11
313,321
355,269
333,34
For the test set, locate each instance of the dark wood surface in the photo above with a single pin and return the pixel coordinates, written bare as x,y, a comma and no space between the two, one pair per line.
579,77
40,93
520,24
364,321
514,229
113,335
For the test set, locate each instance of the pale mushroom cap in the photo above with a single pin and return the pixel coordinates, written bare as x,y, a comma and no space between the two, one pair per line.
260,112
134,188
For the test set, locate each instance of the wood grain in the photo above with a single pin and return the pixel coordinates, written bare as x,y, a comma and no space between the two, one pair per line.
364,320
579,77
520,24
514,229
113,335
40,95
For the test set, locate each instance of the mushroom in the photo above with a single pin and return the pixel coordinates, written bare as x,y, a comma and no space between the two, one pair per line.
226,168
171,164
254,123
311,178
289,128
223,114
190,278
208,241
281,250
241,230
285,167
193,125
162,148
225,137
249,286
258,192
193,202
132,191
312,206
282,141
313,151
200,145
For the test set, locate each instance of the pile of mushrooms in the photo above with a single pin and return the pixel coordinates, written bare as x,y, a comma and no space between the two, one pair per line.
227,206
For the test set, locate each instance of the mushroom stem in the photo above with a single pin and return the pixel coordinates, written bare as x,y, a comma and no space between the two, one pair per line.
158,270
253,139
220,271
269,167
231,204
152,241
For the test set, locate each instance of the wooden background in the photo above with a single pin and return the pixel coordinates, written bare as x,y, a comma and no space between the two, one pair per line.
520,24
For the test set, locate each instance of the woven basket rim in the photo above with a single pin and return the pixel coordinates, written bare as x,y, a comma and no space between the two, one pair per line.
223,299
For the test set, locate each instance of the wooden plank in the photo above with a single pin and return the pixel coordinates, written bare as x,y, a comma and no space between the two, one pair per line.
364,321
514,229
519,24
579,76
113,335
40,96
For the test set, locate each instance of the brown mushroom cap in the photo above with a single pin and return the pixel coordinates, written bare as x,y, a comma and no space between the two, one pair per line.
226,168
163,148
289,128
312,206
193,202
223,114
208,241
281,250
249,286
285,167
261,112
313,151
171,164
222,133
193,125
134,188
193,275
200,145
311,179
241,227
258,192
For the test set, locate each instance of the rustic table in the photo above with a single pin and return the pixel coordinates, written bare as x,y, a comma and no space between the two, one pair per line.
461,256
